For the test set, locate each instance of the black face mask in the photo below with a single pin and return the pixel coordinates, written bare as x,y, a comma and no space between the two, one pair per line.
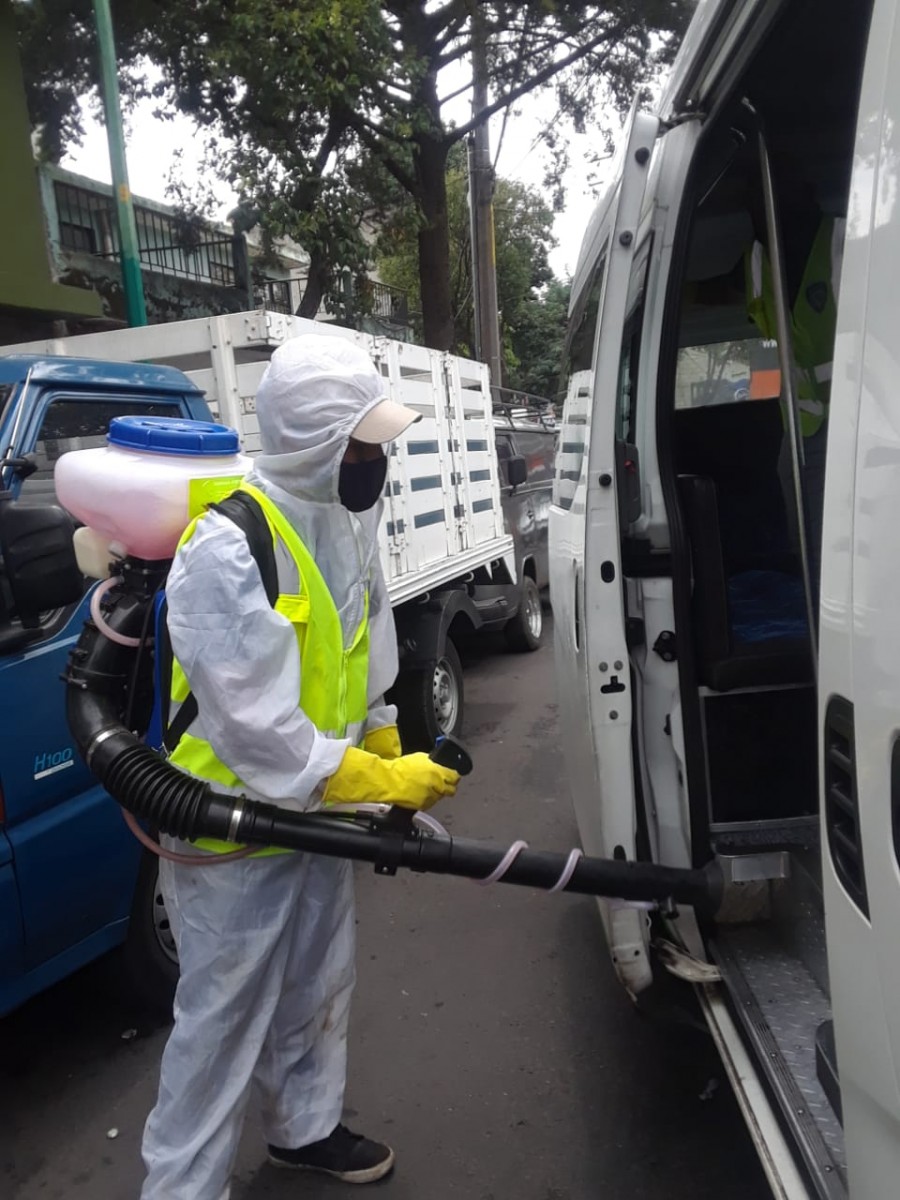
361,483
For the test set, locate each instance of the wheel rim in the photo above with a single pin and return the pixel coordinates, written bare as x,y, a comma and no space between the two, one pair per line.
445,695
534,617
162,927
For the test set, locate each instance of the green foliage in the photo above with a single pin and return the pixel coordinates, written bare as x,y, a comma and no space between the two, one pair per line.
319,101
523,224
537,341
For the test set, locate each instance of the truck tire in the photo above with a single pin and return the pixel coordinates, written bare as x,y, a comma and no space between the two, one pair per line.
525,629
430,701
150,958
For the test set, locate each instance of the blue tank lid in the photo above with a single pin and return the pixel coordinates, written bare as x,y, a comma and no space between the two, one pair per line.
173,435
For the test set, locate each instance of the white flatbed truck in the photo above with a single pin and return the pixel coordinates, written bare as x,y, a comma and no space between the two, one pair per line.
448,559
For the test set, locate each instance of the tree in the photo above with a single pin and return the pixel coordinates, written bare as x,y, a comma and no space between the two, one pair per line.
523,223
536,342
305,88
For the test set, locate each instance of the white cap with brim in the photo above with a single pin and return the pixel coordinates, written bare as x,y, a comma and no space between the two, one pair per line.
385,422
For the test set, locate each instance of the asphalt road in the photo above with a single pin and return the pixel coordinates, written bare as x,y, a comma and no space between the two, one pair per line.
490,1043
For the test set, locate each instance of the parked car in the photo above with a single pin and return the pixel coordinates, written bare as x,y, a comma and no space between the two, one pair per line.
526,448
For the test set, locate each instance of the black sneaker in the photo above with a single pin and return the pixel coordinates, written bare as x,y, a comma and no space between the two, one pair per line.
347,1156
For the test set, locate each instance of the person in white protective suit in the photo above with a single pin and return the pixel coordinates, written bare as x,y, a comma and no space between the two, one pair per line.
290,710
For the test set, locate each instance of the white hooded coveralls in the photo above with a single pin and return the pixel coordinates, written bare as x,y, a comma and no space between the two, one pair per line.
266,945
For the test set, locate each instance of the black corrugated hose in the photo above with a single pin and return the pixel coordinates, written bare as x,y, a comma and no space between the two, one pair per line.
101,688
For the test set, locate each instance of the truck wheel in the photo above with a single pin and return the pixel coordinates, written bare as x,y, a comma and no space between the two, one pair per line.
151,961
524,631
430,701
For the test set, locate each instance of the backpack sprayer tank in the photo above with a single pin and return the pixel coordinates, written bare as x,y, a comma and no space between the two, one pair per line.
136,497
137,494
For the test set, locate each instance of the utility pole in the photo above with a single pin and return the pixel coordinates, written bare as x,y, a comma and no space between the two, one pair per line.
132,282
481,213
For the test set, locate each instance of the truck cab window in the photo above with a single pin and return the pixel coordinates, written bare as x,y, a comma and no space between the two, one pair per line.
77,425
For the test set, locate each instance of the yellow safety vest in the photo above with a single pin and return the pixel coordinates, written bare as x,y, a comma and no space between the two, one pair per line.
334,678
813,319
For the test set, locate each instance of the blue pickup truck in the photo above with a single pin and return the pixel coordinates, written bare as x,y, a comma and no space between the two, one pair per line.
73,880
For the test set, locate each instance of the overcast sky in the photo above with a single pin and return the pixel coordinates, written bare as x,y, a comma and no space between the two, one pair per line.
152,144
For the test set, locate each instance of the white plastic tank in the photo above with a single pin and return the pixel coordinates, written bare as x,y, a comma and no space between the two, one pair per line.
138,493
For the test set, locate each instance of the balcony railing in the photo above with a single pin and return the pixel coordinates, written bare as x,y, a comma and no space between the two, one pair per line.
390,303
274,294
168,244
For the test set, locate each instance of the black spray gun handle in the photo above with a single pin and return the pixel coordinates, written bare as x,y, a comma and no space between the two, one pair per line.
448,752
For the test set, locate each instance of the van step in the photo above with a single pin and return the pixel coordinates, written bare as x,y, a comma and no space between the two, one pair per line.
752,868
794,832
779,1007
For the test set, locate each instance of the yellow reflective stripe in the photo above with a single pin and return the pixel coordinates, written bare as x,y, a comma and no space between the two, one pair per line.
214,846
334,677
181,689
295,608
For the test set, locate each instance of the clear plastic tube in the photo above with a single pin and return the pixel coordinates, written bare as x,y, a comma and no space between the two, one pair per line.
186,860
427,821
99,620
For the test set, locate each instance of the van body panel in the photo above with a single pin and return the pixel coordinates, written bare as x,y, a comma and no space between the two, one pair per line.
741,735
860,643
586,583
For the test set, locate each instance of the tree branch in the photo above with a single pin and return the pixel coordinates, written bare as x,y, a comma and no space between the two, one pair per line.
461,51
467,87
337,126
356,120
452,16
510,97
374,146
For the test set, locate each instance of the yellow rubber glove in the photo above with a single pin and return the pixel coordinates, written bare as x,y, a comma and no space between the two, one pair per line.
412,781
383,742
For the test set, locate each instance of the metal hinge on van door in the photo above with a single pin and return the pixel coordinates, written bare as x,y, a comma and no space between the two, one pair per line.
665,646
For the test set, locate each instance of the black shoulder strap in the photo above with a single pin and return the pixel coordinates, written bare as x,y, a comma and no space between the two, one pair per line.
245,512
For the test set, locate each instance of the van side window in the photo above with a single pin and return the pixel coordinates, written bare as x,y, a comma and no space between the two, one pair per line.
631,345
576,385
78,425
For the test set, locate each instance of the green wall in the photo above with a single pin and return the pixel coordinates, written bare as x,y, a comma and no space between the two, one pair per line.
25,280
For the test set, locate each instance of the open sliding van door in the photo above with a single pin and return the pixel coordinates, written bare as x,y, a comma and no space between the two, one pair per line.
594,683
859,677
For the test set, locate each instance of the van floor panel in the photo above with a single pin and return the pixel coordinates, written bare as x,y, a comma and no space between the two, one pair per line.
780,1006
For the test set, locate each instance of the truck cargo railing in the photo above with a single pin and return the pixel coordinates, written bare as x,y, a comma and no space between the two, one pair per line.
514,407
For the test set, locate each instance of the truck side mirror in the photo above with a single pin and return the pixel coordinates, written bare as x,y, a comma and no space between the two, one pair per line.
38,559
516,471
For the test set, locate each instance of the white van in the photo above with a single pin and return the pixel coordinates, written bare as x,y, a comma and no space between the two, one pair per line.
718,700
